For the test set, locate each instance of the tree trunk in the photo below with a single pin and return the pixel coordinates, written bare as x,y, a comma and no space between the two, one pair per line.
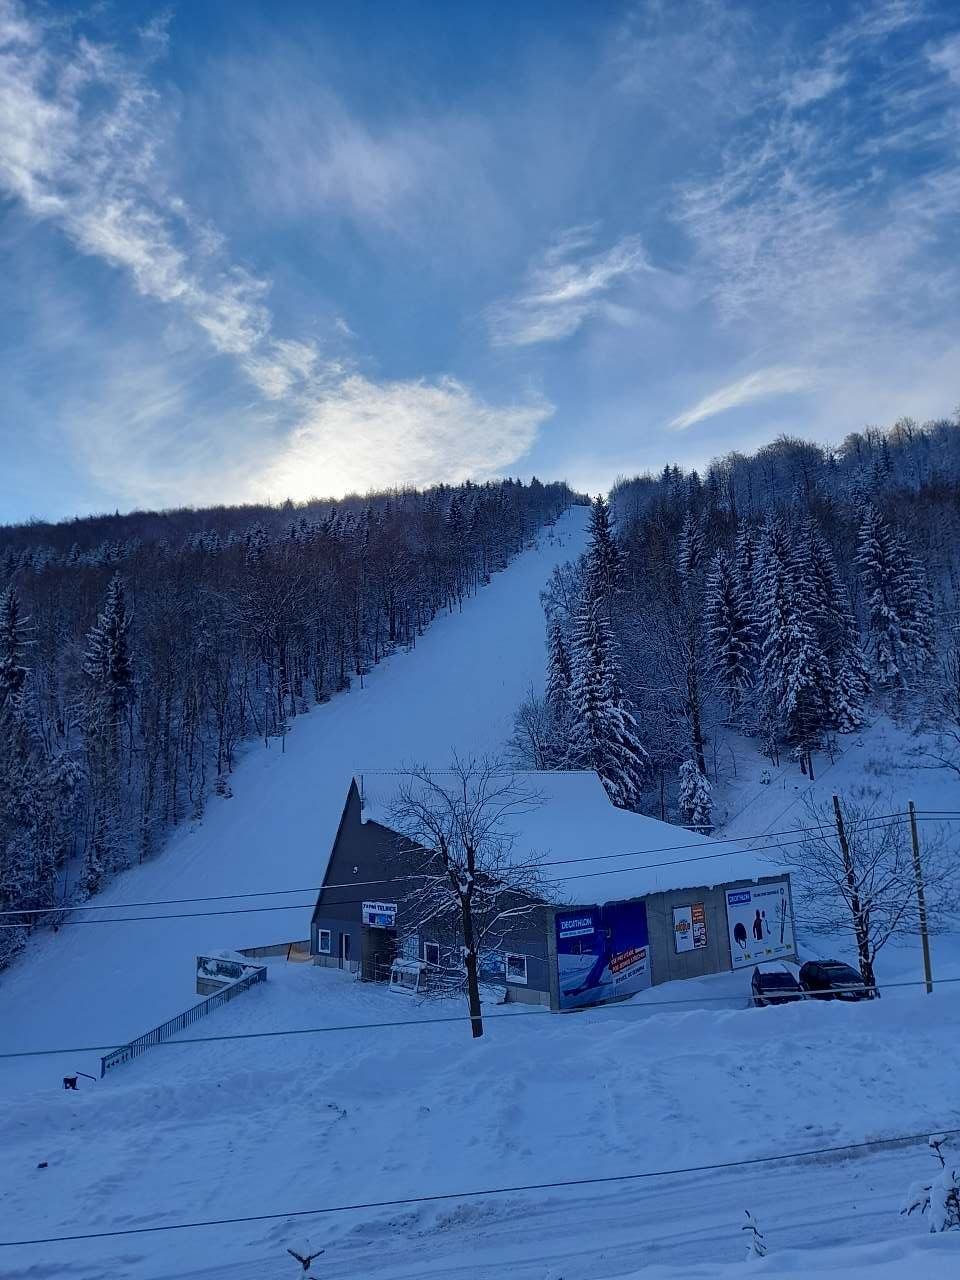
470,961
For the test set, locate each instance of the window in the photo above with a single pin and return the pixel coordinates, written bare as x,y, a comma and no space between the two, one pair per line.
323,941
516,969
431,952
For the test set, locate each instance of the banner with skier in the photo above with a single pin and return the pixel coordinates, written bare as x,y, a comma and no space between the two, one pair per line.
760,923
602,953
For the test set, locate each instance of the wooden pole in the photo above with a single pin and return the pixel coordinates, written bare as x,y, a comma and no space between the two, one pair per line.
921,900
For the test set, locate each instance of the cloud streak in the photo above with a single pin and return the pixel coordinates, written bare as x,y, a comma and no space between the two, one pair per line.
564,289
761,385
82,143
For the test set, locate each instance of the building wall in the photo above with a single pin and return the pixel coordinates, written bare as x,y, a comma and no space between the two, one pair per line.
666,965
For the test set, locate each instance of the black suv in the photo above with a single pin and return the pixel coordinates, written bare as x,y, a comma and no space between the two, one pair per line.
832,980
774,984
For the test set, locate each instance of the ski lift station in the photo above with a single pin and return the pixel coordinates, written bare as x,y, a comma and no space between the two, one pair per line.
623,901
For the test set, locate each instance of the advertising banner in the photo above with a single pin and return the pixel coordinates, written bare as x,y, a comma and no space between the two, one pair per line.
602,953
759,923
698,916
689,928
682,929
382,915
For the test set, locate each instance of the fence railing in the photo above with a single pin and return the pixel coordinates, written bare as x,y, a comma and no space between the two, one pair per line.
182,1020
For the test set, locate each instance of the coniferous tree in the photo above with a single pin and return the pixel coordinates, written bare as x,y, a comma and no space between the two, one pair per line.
899,607
605,734
695,800
604,566
793,671
730,632
839,636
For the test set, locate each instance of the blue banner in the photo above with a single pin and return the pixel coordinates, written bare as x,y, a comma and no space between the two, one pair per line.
603,953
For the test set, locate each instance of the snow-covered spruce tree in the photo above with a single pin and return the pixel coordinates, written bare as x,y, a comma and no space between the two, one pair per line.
793,672
899,608
939,1199
604,565
13,642
559,705
695,800
730,632
605,734
839,636
109,694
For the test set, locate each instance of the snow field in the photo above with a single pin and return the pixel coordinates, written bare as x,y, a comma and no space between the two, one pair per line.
261,1126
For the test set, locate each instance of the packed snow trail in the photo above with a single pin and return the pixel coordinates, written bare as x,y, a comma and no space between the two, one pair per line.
458,689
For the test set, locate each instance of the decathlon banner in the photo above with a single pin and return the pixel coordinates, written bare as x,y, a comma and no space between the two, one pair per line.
759,922
602,953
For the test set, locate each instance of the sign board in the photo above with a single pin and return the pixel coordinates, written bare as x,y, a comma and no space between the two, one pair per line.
602,953
381,915
689,928
759,923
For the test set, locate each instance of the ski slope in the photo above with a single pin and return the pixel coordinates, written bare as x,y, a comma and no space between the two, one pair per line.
102,984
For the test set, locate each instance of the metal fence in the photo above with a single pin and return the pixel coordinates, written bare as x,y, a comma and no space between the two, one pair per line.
182,1020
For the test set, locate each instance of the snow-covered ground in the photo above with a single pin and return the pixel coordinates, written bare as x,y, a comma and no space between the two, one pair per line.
268,1126
105,983
271,1126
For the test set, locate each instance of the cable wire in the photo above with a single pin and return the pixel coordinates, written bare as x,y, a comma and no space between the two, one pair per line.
633,1007
558,1185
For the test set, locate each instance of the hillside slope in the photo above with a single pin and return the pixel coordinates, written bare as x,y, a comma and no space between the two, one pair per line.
105,983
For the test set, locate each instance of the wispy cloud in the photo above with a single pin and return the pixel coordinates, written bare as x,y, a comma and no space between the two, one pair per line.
760,385
83,138
564,289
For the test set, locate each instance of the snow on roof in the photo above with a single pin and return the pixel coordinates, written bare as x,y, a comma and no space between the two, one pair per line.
604,853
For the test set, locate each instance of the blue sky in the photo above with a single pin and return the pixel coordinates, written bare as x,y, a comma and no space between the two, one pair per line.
252,251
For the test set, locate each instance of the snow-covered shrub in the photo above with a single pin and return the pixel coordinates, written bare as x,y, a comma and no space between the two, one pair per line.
939,1199
757,1245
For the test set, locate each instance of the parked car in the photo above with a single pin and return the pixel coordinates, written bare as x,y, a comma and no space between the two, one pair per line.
774,983
833,980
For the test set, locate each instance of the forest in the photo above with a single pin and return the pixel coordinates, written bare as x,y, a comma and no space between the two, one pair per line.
788,596
140,653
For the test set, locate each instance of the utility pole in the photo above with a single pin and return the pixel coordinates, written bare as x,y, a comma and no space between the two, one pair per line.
921,900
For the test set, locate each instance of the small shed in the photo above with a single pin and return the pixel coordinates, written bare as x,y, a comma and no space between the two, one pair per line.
629,901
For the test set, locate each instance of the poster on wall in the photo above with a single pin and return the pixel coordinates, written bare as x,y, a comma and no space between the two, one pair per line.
699,918
602,953
689,928
682,929
759,923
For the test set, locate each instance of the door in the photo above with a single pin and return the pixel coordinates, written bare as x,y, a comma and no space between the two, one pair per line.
344,950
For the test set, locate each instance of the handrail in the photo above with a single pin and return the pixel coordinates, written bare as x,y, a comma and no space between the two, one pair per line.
175,1025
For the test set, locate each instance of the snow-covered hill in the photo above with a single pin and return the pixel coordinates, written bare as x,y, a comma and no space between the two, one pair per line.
276,1126
105,983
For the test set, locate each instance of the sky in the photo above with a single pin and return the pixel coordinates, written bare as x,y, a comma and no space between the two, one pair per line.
254,251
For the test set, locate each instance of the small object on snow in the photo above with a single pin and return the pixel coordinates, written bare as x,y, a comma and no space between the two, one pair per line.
42,1164
70,1082
757,1247
304,1259
765,778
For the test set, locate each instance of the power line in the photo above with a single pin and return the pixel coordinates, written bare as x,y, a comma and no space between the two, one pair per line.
812,830
634,1007
343,902
558,1185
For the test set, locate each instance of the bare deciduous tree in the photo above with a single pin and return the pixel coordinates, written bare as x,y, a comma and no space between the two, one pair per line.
855,871
459,847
